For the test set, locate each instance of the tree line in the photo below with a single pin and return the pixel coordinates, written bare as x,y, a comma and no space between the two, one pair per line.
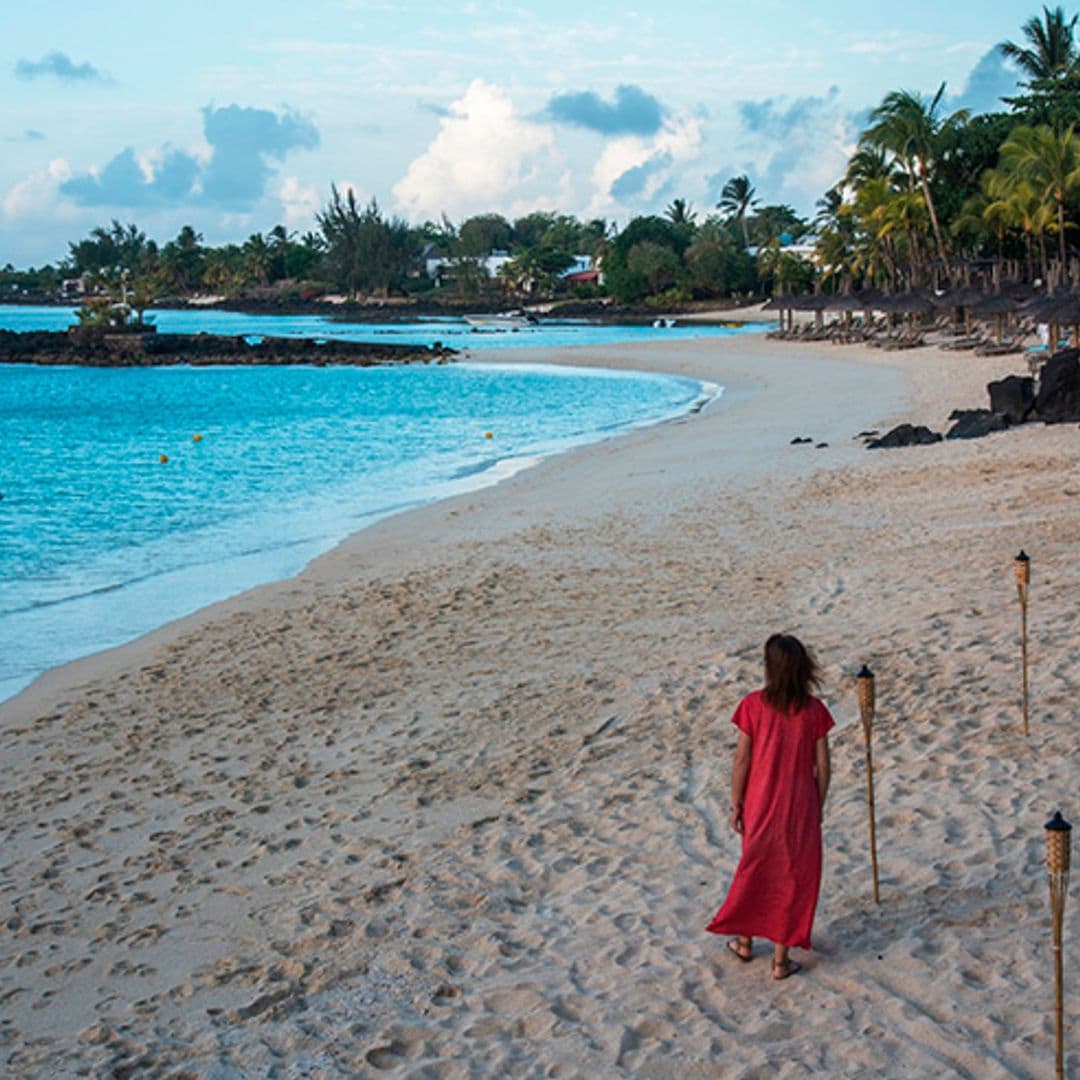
927,196
930,196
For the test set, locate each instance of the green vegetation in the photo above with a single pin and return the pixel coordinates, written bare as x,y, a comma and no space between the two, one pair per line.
929,197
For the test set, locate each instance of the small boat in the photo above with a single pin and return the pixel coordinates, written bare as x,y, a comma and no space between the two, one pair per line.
502,320
665,323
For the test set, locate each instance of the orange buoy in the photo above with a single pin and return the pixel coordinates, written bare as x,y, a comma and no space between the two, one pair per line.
488,435
196,438
163,459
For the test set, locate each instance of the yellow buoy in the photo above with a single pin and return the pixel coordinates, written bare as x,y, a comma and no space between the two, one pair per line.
488,435
196,438
163,459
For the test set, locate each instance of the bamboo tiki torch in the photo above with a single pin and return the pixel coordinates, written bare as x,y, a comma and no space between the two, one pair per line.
1058,843
865,681
1022,572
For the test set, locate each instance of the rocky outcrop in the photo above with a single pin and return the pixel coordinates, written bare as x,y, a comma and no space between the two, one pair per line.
975,423
1016,399
904,435
1058,398
1012,397
150,350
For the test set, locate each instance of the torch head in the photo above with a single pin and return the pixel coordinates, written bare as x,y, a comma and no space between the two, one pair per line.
1058,844
865,683
1022,570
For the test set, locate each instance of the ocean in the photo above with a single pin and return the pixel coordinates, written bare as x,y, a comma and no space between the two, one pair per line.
131,497
455,333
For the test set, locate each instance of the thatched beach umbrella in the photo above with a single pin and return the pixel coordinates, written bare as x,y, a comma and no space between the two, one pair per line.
1055,311
996,307
1061,311
909,303
845,303
779,305
814,302
962,299
869,300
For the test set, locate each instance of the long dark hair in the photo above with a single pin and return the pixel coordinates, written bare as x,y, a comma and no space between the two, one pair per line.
791,672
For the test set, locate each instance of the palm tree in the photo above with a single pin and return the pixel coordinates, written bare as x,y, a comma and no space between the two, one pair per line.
257,257
1051,50
680,212
875,255
867,163
1013,204
1049,161
828,208
738,196
908,126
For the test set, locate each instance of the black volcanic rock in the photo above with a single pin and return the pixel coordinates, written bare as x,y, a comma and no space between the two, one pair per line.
1012,396
1058,399
904,435
975,423
149,350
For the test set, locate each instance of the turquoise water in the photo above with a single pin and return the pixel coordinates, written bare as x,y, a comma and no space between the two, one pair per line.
453,332
100,541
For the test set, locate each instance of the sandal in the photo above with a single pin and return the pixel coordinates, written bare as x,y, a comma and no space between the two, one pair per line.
736,947
786,969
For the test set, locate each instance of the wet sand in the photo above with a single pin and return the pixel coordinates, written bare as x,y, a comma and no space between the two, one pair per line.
453,801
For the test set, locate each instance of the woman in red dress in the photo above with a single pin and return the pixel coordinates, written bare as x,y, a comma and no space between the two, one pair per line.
778,786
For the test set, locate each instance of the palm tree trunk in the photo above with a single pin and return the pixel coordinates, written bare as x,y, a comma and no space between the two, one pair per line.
933,214
1061,231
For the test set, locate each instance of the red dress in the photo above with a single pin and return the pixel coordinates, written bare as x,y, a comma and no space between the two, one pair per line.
775,890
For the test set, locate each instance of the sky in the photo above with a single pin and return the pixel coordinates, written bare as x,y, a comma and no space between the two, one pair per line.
234,116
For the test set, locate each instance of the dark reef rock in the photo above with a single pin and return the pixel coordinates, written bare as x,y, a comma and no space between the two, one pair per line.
1012,396
152,350
904,435
1058,399
975,423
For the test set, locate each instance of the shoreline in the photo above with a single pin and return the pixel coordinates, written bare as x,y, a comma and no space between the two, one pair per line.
455,797
736,389
491,475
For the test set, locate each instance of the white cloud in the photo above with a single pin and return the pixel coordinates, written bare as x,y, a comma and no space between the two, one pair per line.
486,156
299,204
37,196
659,159
892,41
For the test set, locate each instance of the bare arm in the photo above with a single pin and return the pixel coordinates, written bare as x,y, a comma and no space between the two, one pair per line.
822,770
739,772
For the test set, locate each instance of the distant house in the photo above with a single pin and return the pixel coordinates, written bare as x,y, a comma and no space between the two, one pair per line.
805,249
440,268
75,286
584,270
494,262
582,264
582,277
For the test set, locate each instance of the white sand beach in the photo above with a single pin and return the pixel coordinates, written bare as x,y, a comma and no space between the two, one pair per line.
453,802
